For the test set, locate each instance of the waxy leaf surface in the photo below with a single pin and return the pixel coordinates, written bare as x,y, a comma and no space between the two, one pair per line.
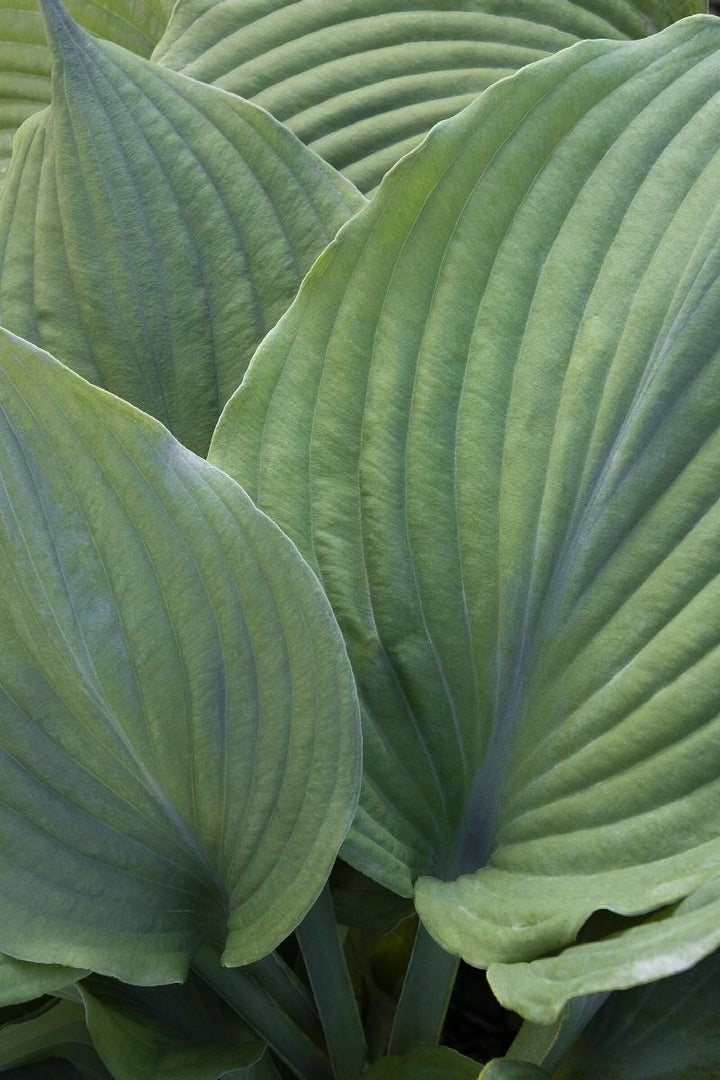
178,723
153,229
363,82
491,421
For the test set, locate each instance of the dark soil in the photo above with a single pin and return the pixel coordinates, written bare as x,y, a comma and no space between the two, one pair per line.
476,1024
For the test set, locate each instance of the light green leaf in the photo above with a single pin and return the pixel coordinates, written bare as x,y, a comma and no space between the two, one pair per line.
362,83
153,229
178,719
672,941
20,981
25,58
425,1063
58,1032
168,1033
490,420
669,1030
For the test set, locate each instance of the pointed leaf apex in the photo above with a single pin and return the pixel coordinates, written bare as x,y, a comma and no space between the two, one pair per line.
63,33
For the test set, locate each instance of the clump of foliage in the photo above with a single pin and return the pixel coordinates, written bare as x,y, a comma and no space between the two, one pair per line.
360,444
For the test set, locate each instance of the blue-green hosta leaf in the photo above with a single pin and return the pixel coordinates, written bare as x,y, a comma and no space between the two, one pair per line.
169,1033
57,1032
153,229
178,723
362,83
670,942
491,420
669,1030
25,58
21,981
425,1063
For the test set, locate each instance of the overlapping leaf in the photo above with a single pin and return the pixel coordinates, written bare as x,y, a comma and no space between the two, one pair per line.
491,421
425,1063
25,58
57,1039
20,981
168,1033
180,744
362,83
667,1031
153,229
671,942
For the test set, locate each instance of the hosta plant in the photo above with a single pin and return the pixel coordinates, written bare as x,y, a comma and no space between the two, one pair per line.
361,592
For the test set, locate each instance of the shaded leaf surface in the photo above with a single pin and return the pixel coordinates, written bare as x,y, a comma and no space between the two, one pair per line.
178,719
57,1040
425,1063
667,1031
168,1033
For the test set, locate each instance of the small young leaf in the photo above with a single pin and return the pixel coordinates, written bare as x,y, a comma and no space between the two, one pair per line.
181,748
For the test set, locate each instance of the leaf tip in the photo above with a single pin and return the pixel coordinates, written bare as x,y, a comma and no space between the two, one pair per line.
63,33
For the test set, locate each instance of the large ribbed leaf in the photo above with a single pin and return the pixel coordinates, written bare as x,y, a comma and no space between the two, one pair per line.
177,717
56,1035
362,82
25,58
667,1031
168,1033
490,419
153,229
